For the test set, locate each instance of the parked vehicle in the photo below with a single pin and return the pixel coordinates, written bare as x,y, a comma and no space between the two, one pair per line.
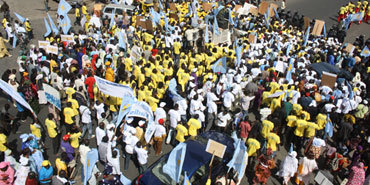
118,9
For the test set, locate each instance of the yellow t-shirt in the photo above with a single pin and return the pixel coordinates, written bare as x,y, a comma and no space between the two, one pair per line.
301,125
311,129
291,119
35,130
267,127
321,120
181,133
109,74
253,146
176,48
194,125
2,142
84,10
51,126
70,91
272,140
75,106
68,115
74,139
61,165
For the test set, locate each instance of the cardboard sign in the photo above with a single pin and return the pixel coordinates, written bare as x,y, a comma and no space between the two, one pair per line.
251,38
97,9
272,7
350,48
263,7
280,67
215,148
306,22
173,7
52,49
321,179
317,29
207,6
43,44
328,79
223,37
253,11
67,38
236,8
174,16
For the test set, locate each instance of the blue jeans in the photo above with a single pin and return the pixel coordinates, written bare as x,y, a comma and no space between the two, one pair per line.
127,161
88,127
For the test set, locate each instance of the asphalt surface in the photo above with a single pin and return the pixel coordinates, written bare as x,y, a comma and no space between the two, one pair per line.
35,11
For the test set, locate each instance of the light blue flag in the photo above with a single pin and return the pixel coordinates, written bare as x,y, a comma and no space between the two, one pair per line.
288,76
238,162
48,30
328,127
206,36
156,17
91,158
20,18
278,46
53,27
166,23
66,24
350,91
15,38
365,52
112,22
175,161
291,148
215,26
347,21
160,5
267,18
276,14
288,49
356,17
324,30
220,66
125,108
231,21
238,53
121,40
63,7
124,180
306,36
186,180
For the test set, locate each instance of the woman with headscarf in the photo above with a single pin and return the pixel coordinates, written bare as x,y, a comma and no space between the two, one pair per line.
263,169
22,171
306,166
357,175
6,173
289,167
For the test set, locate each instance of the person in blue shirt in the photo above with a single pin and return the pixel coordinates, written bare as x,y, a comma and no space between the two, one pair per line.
45,173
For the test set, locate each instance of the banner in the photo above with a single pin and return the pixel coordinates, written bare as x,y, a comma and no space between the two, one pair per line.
67,38
52,96
43,44
142,110
91,158
113,89
52,49
15,95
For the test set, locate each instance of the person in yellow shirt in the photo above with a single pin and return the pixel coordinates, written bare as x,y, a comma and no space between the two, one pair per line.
75,136
253,147
300,125
321,120
70,91
78,17
311,129
3,142
53,131
60,164
181,132
75,108
272,141
193,125
109,73
288,133
267,126
68,116
84,9
35,130
28,27
176,51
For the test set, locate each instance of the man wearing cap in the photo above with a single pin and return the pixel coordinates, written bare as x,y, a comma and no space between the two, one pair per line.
159,135
175,118
45,173
160,113
27,25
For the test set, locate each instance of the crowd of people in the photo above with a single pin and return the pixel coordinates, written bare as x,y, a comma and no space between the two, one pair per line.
352,8
270,94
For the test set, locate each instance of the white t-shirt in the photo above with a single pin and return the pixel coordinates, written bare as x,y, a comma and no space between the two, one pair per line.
142,155
228,99
159,131
159,113
223,119
85,114
130,141
100,133
99,110
175,117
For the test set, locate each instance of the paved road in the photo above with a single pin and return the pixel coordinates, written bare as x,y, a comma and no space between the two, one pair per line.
325,10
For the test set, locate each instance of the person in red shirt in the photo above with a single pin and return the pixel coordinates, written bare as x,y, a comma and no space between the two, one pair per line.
245,128
90,81
31,179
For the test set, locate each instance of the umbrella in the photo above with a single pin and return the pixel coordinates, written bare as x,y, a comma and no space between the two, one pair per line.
277,94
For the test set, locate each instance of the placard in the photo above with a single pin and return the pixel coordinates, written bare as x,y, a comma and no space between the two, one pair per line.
52,49
328,79
280,67
251,38
272,7
173,7
350,48
207,6
174,16
307,21
236,8
262,8
67,38
215,148
43,44
253,11
317,29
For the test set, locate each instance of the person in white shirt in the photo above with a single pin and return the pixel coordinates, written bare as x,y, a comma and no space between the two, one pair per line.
212,109
86,121
142,157
130,141
99,107
100,133
223,120
175,118
159,135
246,100
228,98
160,113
